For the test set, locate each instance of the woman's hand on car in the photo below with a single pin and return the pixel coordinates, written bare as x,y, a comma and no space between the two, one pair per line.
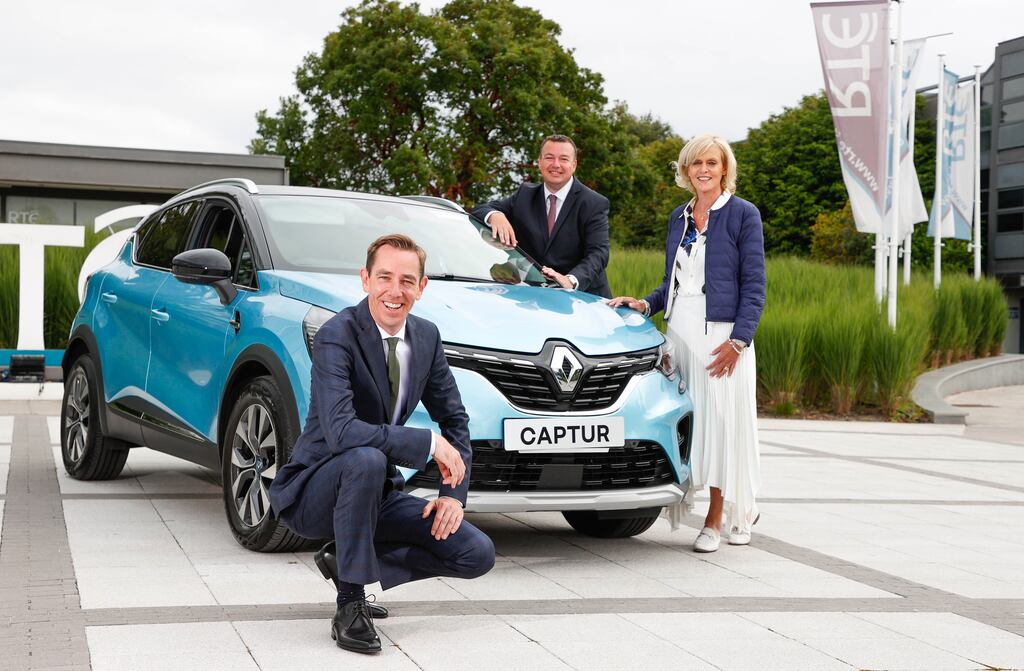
628,301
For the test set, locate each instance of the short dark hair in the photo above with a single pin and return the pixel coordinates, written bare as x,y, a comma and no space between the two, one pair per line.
558,138
398,241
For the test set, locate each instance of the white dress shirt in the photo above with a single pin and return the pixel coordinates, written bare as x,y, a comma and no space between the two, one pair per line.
404,354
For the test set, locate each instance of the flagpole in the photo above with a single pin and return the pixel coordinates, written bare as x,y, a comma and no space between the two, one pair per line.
977,172
908,242
894,212
940,127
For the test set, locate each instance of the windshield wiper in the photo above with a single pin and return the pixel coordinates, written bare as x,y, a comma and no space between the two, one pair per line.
448,277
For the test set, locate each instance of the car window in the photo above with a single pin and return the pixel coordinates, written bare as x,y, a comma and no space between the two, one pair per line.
221,229
161,239
331,234
245,269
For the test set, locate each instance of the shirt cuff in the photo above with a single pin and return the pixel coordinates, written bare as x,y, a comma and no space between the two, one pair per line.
487,217
433,441
575,282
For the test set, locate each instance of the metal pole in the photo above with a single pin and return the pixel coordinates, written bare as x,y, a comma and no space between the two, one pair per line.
977,172
894,213
908,244
940,132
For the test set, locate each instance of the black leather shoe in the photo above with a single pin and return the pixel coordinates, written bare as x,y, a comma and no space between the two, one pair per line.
328,565
352,628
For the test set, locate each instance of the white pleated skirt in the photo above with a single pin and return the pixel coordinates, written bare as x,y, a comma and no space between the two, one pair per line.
724,448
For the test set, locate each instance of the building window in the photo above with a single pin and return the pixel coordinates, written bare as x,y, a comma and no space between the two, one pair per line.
1011,136
1013,64
1010,175
58,211
1012,222
30,210
1012,112
1011,198
1013,88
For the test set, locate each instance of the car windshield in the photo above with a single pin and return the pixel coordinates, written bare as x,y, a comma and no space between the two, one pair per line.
330,234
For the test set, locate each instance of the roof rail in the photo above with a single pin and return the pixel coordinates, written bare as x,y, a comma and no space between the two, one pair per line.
434,200
247,184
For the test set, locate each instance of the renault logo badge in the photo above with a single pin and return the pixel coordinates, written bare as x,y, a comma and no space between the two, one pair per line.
567,369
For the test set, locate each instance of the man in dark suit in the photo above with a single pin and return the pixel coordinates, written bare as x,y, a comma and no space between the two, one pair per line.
372,364
560,223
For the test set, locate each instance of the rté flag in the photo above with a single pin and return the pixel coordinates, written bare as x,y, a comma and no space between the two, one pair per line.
853,41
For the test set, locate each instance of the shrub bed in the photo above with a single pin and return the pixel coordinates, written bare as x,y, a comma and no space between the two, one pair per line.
824,345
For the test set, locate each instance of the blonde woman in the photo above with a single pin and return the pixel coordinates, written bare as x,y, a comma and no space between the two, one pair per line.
713,293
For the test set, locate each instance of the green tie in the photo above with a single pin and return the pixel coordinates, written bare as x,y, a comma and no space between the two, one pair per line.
394,374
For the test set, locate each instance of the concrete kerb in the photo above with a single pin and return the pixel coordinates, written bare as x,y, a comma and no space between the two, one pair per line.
932,388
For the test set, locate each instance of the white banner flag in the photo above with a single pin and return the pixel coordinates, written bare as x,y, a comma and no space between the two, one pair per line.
853,41
912,209
958,169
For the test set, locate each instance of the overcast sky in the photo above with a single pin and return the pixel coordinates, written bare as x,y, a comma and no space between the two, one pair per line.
191,74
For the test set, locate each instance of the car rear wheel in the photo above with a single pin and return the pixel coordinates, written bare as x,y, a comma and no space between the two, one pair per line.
611,523
257,442
86,452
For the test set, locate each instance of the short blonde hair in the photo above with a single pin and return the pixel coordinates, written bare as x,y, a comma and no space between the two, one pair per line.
696,148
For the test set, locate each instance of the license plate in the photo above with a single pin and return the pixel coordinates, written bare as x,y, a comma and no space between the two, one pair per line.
565,434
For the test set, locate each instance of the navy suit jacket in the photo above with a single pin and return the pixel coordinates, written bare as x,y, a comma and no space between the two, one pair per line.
578,245
350,396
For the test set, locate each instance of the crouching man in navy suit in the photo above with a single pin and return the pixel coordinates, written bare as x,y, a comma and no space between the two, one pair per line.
372,364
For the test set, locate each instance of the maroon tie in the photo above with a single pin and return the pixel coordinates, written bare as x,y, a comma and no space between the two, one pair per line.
552,211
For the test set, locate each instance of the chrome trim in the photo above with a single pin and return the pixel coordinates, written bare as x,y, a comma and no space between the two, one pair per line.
434,200
521,502
610,410
247,184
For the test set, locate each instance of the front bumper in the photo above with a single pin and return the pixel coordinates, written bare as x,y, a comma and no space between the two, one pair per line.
620,499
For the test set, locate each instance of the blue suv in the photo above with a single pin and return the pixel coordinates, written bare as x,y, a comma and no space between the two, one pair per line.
196,341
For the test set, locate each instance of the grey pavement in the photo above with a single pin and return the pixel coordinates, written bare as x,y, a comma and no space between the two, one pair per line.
880,547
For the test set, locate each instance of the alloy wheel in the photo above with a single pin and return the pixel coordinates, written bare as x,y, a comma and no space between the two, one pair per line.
253,464
76,415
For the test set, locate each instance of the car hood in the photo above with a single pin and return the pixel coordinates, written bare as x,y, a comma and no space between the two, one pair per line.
514,318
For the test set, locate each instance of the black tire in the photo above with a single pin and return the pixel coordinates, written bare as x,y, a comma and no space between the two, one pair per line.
258,439
589,523
86,452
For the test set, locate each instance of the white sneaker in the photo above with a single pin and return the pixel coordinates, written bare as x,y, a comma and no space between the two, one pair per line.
737,537
707,540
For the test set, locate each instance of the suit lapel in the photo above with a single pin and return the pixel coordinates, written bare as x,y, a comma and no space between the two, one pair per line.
373,353
571,201
420,356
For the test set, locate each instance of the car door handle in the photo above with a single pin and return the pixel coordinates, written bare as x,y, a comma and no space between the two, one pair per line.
109,297
159,315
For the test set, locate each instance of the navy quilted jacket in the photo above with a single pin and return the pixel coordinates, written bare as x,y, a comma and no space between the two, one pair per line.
734,275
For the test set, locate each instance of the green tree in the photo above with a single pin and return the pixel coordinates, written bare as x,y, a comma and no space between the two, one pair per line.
789,168
452,103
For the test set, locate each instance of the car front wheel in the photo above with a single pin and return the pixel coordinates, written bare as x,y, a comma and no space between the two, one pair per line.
257,442
86,452
610,524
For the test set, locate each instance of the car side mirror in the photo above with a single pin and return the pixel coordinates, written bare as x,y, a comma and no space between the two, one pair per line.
206,266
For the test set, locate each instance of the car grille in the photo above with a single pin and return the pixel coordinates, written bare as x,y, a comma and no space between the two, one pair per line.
641,463
529,381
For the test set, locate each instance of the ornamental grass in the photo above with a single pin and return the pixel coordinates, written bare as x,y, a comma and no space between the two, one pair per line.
824,345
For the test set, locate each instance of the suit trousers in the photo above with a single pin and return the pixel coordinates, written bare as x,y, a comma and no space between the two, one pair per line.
380,533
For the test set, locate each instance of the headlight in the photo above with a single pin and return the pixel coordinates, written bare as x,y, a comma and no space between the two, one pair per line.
667,363
311,323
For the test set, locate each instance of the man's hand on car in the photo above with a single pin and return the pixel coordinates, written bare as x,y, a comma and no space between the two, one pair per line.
501,228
